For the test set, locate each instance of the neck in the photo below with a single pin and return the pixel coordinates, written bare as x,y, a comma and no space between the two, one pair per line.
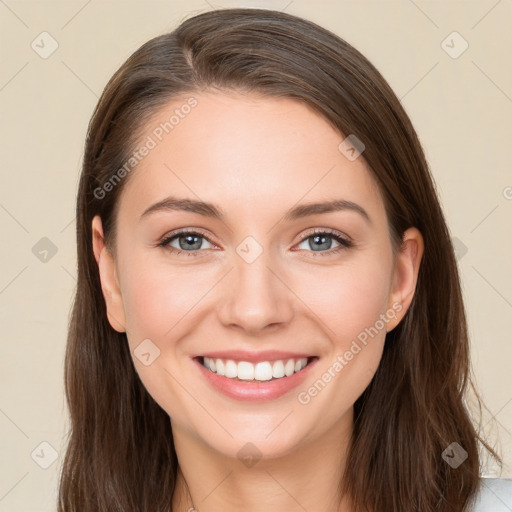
306,479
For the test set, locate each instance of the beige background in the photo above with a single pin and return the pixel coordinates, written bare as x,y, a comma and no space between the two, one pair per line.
461,108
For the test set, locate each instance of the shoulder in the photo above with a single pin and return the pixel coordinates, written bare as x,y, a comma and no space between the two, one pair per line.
494,495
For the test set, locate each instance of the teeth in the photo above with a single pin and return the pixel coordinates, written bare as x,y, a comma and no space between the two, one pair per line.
289,367
245,370
278,369
261,371
231,369
219,363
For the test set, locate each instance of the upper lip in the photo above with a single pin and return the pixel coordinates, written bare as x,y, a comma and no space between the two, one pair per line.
254,357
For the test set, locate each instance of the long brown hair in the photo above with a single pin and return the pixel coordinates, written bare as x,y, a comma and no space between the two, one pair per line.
120,455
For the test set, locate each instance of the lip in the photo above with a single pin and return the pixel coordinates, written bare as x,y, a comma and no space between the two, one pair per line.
253,357
254,391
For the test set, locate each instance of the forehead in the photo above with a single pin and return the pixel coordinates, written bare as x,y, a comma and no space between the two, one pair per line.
245,152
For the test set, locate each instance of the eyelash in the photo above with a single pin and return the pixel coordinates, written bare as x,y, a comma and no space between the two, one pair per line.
344,243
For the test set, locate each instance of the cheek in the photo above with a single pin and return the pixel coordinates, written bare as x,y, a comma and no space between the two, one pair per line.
350,302
157,298
159,305
346,298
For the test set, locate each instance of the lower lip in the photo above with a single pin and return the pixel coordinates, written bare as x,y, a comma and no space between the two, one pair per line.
253,390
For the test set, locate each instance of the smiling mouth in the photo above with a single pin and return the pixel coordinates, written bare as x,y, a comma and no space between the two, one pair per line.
245,371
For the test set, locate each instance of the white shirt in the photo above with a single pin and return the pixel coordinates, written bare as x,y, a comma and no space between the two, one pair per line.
494,495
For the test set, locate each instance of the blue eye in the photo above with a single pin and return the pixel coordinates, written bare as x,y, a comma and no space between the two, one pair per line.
322,240
186,240
190,242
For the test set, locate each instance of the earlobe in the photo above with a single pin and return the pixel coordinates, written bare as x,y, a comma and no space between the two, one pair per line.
108,277
406,272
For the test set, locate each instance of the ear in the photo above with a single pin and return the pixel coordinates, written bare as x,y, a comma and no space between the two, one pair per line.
405,275
108,278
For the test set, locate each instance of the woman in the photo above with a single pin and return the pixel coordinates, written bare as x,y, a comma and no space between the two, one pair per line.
268,312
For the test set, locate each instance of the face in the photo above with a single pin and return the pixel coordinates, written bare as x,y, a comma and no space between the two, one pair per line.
263,282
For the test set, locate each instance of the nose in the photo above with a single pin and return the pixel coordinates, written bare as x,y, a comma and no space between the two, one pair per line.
256,296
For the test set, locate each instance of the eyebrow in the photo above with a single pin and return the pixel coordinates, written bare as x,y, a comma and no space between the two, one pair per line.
210,210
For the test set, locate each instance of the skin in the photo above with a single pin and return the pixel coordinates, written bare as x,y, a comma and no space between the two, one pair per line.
255,158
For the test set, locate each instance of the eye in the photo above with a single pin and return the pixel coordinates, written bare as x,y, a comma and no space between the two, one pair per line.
187,241
321,239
